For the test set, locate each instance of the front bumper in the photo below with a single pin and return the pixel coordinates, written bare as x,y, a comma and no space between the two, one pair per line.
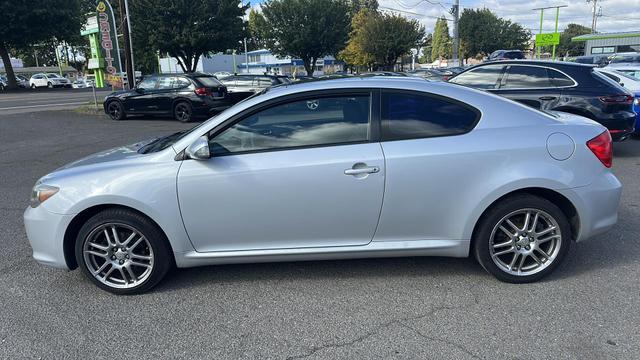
45,231
597,205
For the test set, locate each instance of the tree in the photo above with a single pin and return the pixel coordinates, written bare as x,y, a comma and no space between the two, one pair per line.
354,53
441,44
257,27
26,23
306,29
482,32
355,6
388,37
566,46
188,29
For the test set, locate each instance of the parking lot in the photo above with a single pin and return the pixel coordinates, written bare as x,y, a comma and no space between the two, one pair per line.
406,308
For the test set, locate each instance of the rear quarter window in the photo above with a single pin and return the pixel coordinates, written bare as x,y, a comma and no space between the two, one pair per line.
411,115
208,81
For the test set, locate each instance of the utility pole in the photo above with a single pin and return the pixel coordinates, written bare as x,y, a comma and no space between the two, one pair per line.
127,47
126,9
594,13
246,56
455,11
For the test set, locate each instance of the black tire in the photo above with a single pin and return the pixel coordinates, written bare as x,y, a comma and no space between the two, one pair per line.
50,85
115,110
521,244
183,111
33,86
163,259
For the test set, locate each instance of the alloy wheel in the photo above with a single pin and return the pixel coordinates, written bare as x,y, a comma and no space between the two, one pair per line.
525,242
183,112
118,255
114,110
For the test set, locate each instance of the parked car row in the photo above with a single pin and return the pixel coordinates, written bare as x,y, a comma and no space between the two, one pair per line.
22,81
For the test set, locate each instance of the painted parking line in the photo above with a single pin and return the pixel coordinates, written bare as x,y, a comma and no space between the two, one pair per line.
43,105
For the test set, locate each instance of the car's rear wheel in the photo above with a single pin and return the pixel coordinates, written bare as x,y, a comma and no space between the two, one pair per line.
50,85
122,251
183,111
115,110
522,238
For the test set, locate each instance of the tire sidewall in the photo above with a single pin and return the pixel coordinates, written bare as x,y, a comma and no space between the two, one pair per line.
163,259
496,213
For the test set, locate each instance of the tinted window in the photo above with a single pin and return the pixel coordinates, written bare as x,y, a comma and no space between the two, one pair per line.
611,76
523,77
412,115
180,82
165,82
148,83
559,79
208,81
514,55
312,122
484,77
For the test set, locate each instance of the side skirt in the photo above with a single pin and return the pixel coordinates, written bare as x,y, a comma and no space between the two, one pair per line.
449,248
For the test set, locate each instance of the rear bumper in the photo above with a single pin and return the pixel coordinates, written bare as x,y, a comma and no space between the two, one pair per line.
211,106
45,231
620,128
596,204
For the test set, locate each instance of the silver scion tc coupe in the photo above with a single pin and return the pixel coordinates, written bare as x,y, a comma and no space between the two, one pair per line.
344,168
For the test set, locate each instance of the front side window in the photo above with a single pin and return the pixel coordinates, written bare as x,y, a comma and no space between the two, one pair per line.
309,122
523,77
165,82
148,83
413,115
484,77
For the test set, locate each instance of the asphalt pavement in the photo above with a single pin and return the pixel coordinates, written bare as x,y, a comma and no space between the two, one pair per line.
26,101
404,308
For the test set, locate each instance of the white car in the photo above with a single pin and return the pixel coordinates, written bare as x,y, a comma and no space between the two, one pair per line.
49,80
626,80
82,83
629,69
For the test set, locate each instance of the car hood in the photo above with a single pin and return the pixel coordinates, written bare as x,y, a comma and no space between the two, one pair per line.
117,153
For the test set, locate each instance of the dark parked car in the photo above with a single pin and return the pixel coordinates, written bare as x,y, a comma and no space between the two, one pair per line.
383,73
181,96
506,55
431,74
600,60
241,86
562,86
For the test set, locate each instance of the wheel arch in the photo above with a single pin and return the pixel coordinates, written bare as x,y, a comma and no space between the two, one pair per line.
565,205
71,233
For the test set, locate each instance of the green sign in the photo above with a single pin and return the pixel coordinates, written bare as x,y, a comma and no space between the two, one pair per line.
547,39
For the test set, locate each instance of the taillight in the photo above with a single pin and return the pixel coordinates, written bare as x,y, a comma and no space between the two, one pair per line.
601,148
446,77
617,99
203,91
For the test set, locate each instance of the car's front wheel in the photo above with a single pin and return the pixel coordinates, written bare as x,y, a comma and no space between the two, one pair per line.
522,238
115,110
122,251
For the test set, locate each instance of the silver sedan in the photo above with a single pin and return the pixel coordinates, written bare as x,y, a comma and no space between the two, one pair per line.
345,168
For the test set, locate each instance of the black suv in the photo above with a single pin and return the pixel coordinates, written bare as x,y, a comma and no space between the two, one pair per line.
506,55
242,86
562,86
183,96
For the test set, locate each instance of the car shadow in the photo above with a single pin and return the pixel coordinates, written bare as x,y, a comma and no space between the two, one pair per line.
584,258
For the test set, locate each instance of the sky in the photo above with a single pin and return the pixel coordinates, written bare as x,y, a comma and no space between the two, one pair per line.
617,15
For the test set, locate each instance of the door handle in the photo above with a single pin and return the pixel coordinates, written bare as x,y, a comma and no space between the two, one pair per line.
362,170
545,98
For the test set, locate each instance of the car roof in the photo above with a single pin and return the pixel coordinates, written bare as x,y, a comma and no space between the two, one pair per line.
556,64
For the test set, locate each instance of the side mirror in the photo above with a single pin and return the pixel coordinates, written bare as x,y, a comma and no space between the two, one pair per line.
199,150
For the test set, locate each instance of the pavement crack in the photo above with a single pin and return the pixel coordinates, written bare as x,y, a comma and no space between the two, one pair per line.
445,341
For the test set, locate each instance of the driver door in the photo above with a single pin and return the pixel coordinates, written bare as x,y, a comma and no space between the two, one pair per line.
287,176
140,99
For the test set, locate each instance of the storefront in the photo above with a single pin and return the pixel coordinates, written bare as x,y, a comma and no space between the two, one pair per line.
610,43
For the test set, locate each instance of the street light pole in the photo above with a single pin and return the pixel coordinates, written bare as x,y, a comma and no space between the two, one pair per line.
126,9
455,11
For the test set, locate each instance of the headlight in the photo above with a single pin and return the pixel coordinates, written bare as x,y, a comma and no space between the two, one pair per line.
636,101
41,193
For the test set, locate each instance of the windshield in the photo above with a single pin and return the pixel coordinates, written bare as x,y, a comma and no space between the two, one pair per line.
52,75
514,55
625,59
